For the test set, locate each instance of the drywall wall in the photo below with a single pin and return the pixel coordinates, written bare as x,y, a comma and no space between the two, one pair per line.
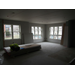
1,34
47,33
25,29
71,34
28,38
65,36
45,39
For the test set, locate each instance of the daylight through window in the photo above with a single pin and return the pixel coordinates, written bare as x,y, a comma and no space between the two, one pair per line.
55,32
37,32
12,32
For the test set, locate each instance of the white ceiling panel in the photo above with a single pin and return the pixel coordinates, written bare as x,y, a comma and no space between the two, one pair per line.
42,16
9,13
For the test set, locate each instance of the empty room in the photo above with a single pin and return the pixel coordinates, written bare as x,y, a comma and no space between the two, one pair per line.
37,36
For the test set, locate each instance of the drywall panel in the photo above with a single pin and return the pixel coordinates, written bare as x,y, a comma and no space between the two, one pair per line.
28,38
45,31
1,35
65,37
71,35
8,42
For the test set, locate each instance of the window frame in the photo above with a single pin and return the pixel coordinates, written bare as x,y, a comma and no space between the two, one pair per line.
38,32
54,34
12,31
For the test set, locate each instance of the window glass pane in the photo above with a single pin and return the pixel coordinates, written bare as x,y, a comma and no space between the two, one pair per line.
32,30
59,37
16,28
40,37
16,32
36,30
60,30
55,30
55,37
39,30
16,35
7,35
51,37
36,37
7,28
7,32
51,30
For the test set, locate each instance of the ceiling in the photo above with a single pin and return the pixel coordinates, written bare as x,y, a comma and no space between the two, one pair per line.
42,16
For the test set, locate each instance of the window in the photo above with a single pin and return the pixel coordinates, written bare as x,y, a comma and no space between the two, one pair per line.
12,32
55,32
37,32
16,32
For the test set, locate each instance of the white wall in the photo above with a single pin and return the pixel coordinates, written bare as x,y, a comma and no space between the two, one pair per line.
65,38
47,33
1,34
25,29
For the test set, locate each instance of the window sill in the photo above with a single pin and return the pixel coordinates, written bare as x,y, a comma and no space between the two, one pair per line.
54,39
37,39
11,39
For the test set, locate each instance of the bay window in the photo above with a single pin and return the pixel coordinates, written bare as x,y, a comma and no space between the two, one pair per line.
37,32
55,32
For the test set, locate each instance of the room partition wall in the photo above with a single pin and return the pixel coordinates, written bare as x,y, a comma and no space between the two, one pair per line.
69,34
1,34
